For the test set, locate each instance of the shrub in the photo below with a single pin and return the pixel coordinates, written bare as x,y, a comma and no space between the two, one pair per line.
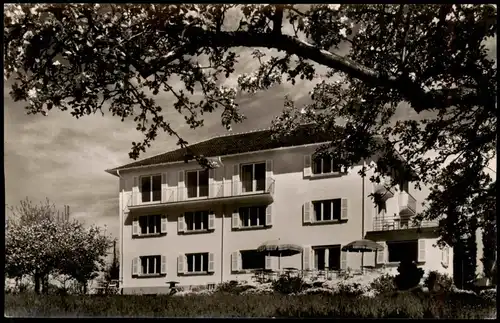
489,295
288,285
383,284
350,290
233,287
437,281
409,275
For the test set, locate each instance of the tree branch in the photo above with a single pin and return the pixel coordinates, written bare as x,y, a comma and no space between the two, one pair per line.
413,93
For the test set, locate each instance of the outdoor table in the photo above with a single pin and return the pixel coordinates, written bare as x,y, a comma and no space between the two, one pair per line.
172,284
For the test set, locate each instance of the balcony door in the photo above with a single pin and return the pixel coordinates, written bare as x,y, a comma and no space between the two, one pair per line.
197,183
253,177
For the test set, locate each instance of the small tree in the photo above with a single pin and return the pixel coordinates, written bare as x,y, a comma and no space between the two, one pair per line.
38,244
82,252
113,270
409,275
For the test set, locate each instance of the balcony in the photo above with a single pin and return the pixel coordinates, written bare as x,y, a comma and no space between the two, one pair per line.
407,205
230,192
389,224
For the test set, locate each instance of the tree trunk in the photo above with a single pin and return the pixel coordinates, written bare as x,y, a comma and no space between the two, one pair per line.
36,278
84,288
45,284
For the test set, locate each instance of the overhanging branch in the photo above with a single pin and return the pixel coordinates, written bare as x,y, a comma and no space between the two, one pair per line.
199,38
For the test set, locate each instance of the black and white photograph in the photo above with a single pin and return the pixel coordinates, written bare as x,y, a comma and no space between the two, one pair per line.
175,160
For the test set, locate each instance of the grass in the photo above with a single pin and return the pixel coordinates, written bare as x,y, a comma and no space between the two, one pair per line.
404,305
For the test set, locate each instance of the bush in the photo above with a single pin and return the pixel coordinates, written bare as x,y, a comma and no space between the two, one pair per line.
490,295
383,284
409,275
233,287
288,285
350,290
437,282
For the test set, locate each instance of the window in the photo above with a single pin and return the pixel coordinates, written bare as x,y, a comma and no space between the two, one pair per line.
327,257
251,259
197,183
324,165
150,265
253,216
150,224
151,188
402,250
196,220
197,262
327,210
253,177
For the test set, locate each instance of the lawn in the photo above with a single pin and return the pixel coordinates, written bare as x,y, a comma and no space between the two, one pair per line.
220,304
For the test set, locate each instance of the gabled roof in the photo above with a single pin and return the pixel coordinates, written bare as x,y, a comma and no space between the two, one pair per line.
235,144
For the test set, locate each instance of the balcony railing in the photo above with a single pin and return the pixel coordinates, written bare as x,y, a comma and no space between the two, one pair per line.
407,204
381,224
213,191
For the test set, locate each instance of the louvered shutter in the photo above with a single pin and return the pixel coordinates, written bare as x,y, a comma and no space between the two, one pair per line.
307,212
421,250
135,266
211,186
163,265
211,262
344,212
236,179
180,186
181,227
136,196
181,267
269,174
343,260
307,166
236,220
211,220
164,222
164,187
306,258
234,261
135,227
381,254
269,217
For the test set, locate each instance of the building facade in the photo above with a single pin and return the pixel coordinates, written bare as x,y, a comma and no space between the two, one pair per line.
182,223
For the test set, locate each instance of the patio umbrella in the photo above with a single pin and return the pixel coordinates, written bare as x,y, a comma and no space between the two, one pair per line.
279,248
363,245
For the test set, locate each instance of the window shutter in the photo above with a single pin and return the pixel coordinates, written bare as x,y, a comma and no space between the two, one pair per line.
180,223
135,227
307,212
446,260
211,186
306,258
163,265
211,262
269,262
181,268
327,258
135,266
343,260
180,186
164,187
381,254
307,166
269,217
164,222
236,220
211,220
135,191
234,261
236,181
344,213
269,171
421,250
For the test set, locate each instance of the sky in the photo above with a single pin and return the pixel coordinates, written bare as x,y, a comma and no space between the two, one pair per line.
64,159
